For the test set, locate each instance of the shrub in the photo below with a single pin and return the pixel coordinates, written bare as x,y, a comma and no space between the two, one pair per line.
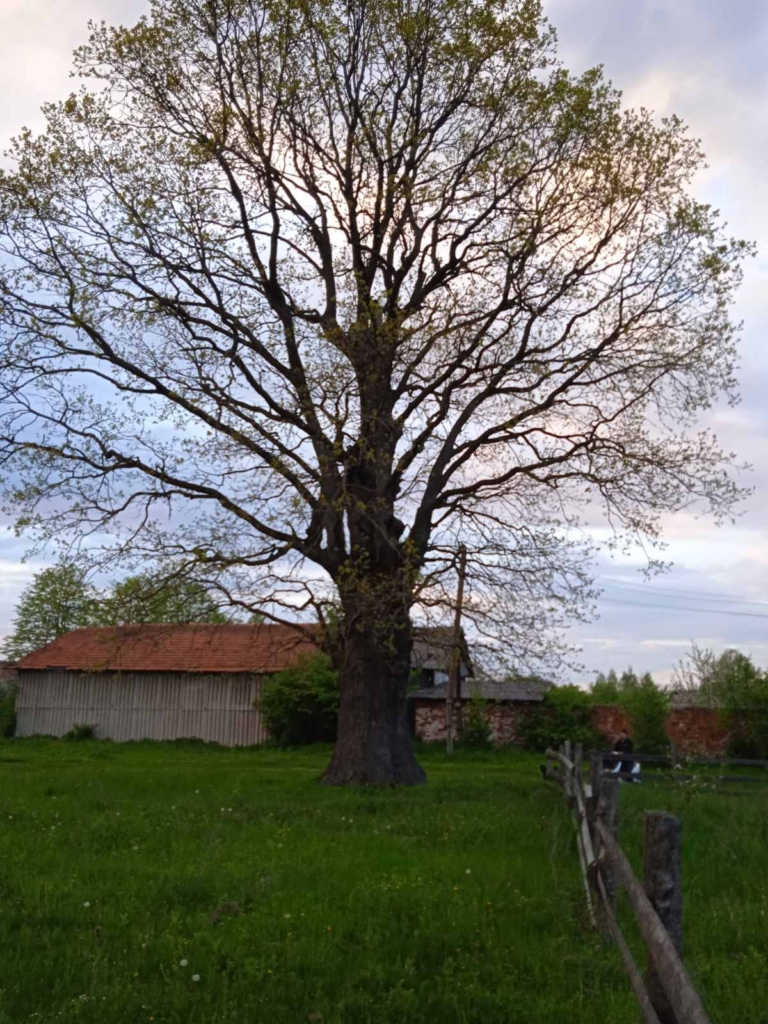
7,711
564,714
80,732
476,732
301,704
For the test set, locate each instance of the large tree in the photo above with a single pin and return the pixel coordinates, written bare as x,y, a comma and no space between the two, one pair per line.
341,282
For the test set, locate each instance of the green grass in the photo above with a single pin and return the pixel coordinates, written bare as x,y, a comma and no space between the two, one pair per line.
459,901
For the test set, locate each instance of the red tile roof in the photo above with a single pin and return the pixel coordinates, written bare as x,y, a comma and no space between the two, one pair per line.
196,647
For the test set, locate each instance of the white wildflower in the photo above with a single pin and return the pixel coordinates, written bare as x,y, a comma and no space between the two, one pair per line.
183,963
86,904
195,977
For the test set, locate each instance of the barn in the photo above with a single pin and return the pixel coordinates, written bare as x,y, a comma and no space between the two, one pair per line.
165,682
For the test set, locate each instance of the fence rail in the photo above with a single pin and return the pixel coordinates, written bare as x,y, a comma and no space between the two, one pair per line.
665,992
677,758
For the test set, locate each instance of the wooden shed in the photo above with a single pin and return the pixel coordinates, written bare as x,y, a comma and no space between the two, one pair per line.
165,682
157,682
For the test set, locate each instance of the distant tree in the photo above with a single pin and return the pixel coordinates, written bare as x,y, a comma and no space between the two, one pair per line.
146,598
628,680
605,689
56,601
732,683
341,283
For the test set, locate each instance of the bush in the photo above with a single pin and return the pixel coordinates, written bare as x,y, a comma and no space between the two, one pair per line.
7,711
647,707
80,732
564,714
301,704
476,732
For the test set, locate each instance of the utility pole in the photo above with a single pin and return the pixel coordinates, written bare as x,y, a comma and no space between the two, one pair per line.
454,679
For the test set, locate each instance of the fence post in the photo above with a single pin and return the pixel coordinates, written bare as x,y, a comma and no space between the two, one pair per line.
663,885
578,755
568,751
607,808
596,772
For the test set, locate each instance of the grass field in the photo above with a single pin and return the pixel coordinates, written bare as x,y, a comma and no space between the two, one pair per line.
183,883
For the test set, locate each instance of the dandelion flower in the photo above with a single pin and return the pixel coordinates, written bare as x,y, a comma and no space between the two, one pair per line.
195,977
183,963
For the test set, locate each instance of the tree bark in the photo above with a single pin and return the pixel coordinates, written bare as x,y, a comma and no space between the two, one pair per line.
374,742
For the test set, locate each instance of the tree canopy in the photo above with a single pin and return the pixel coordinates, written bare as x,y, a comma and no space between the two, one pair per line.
60,599
57,600
339,282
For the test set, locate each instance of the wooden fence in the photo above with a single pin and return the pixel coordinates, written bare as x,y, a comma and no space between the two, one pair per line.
681,766
664,991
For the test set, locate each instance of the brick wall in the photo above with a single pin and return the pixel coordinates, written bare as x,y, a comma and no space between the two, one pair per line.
610,721
698,731
8,672
690,730
504,720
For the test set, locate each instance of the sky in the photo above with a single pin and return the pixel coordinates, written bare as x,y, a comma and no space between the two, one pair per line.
703,60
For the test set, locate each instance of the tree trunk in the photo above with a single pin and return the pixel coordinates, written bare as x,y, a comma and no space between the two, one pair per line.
374,742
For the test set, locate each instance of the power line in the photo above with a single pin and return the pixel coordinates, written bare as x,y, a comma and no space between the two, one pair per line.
681,608
693,595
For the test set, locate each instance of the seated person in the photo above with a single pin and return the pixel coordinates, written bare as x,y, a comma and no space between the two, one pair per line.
624,745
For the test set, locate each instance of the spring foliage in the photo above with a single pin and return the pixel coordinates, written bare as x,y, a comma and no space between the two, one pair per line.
60,599
301,704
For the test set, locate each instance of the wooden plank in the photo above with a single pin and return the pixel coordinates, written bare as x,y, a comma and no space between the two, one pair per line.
558,756
662,881
674,978
633,972
585,879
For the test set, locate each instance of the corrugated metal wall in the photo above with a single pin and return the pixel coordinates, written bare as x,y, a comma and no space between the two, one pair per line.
141,705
